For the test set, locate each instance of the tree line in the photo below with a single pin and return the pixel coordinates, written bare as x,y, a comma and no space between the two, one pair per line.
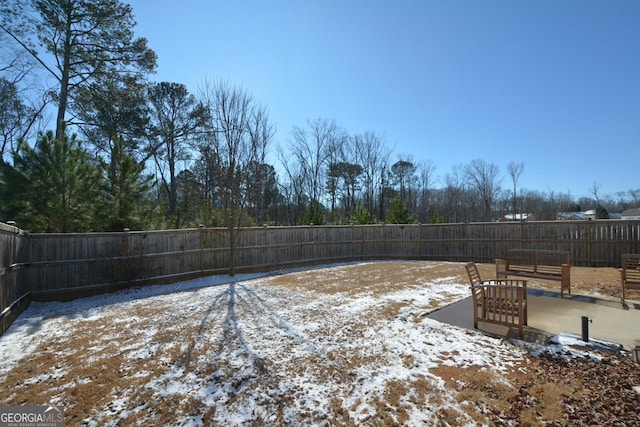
127,152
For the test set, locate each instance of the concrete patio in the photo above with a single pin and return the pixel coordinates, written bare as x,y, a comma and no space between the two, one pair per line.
549,315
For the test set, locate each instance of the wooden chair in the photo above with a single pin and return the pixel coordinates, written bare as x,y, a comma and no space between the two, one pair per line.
473,273
500,301
476,279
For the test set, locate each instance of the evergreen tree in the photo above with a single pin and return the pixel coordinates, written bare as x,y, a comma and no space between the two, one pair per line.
362,216
314,215
399,214
115,119
602,213
52,187
261,189
126,191
437,218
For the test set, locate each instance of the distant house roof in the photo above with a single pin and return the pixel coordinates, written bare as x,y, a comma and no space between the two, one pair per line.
632,213
576,216
518,217
570,216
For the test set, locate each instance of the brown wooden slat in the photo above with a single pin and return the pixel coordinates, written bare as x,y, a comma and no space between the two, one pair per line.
61,261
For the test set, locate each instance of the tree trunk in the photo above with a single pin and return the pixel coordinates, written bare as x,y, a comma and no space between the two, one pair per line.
64,81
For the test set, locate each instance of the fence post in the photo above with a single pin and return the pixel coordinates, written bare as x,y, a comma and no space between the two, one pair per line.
590,243
352,242
383,239
465,240
201,254
29,276
266,255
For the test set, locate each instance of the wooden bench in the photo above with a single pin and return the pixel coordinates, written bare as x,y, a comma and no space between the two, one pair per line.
537,263
498,301
630,273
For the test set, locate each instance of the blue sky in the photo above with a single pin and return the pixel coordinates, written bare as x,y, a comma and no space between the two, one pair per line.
554,84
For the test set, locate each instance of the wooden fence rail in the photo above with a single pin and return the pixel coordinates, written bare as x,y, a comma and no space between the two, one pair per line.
66,266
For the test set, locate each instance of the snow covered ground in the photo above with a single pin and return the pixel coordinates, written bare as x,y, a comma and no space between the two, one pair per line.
333,345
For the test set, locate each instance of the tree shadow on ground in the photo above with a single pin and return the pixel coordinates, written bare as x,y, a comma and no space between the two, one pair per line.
254,308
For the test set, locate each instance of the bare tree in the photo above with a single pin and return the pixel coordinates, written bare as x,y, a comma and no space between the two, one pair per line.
338,154
239,134
483,178
312,148
594,191
515,170
12,116
426,172
373,155
601,212
21,101
261,188
292,189
634,197
453,191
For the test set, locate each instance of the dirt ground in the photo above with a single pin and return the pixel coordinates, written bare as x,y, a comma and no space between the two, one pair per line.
88,372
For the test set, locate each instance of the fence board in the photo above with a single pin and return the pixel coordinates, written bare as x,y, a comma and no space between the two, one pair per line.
41,263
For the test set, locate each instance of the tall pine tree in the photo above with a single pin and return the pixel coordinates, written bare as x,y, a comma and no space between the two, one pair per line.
77,43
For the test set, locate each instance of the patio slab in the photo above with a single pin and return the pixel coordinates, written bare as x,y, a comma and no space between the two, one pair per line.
549,315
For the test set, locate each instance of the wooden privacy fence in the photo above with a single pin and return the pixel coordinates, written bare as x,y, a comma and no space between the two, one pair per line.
65,266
